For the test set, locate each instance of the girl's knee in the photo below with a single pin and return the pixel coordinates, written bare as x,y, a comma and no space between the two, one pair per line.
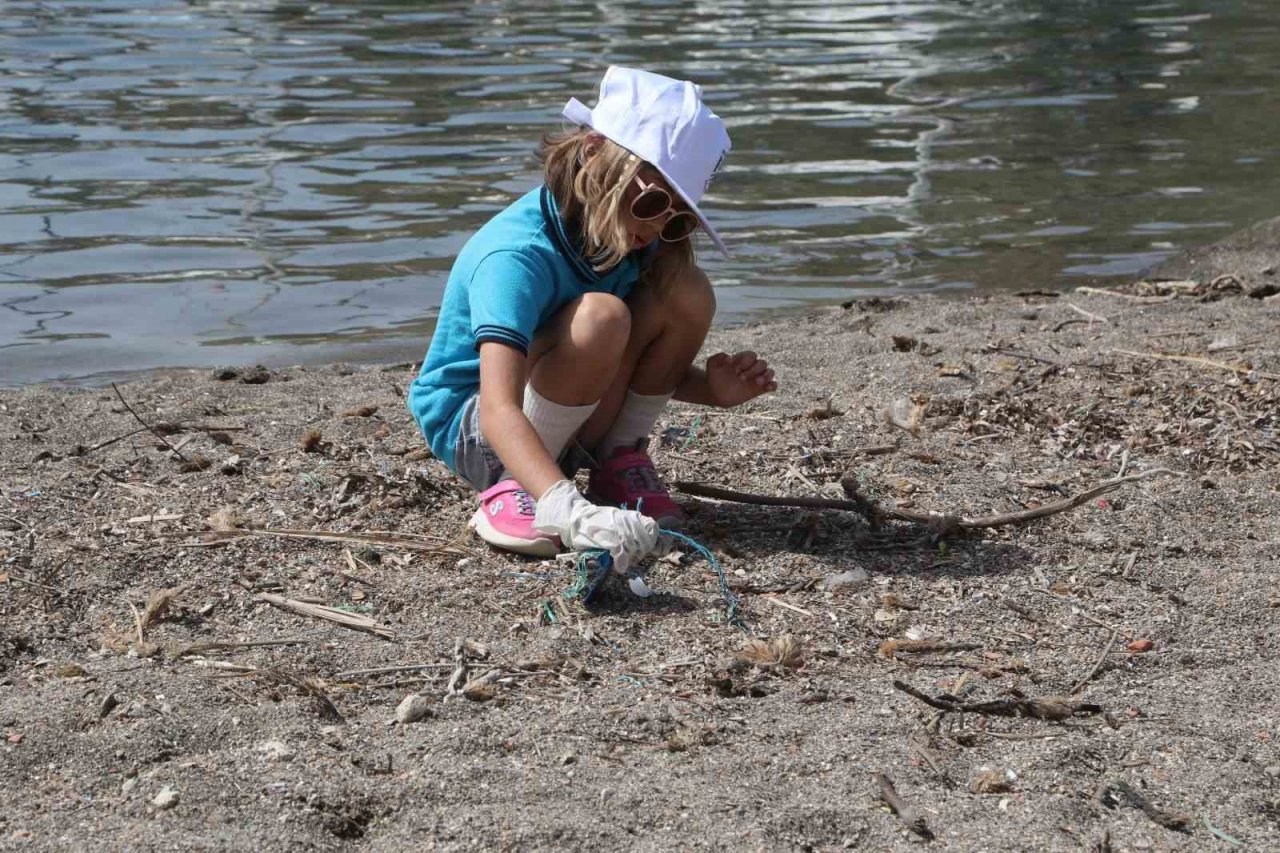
601,320
692,297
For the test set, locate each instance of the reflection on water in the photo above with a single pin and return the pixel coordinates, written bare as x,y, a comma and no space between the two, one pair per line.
214,181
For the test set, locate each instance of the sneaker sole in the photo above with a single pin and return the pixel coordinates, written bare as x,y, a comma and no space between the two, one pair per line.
541,547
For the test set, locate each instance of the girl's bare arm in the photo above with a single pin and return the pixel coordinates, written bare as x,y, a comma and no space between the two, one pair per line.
502,420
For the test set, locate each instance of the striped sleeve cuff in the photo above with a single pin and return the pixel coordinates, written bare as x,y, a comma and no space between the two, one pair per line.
502,335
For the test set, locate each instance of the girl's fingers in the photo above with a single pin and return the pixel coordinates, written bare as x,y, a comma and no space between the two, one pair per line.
744,359
755,370
765,378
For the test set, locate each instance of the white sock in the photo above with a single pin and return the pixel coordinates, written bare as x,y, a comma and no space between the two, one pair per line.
555,424
635,421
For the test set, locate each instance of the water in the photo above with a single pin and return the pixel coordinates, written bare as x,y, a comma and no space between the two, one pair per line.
238,181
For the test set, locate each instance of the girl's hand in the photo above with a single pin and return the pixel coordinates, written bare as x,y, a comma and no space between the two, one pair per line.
736,379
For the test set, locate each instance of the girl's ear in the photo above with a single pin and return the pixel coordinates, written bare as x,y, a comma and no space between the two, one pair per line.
591,145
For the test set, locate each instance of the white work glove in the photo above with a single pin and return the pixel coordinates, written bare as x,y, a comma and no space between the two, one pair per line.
628,536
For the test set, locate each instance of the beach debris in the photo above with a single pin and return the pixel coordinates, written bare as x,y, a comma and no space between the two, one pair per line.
277,750
346,619
911,819
158,607
108,704
413,708
774,655
943,524
824,412
256,375
1043,708
905,343
906,413
989,781
311,441
225,520
366,411
1202,362
154,431
1138,647
892,648
166,799
1121,793
404,541
854,579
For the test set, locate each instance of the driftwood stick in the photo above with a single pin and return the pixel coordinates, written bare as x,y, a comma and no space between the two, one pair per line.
1111,644
406,541
946,523
717,493
226,645
910,818
1044,708
329,614
1201,362
388,670
110,441
152,429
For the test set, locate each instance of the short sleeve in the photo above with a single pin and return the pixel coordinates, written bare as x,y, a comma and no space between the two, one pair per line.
506,294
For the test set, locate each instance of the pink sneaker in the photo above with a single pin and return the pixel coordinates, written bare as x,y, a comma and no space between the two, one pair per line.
505,519
627,478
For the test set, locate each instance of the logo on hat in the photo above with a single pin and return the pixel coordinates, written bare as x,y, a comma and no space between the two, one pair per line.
715,170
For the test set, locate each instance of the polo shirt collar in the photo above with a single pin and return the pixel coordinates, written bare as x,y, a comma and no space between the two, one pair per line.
568,241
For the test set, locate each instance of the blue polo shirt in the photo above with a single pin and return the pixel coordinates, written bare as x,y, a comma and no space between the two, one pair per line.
511,278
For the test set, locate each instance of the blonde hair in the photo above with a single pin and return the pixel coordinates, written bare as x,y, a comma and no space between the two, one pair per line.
589,192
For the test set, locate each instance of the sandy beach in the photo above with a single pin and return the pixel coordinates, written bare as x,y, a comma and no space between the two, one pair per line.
174,552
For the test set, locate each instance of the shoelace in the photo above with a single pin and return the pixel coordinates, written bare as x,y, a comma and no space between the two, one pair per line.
525,503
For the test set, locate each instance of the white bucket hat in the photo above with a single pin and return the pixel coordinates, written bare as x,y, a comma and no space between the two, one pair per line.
664,122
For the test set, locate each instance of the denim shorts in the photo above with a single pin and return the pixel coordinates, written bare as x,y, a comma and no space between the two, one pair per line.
477,462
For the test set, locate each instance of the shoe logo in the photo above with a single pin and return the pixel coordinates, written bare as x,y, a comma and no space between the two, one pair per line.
495,508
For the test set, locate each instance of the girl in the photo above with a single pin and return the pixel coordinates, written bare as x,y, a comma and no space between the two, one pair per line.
574,316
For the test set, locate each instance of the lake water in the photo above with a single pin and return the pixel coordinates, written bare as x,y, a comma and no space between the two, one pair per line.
240,181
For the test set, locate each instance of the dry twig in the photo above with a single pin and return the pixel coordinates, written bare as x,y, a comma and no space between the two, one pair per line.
152,429
1111,644
331,614
1044,708
385,539
910,818
1202,362
943,523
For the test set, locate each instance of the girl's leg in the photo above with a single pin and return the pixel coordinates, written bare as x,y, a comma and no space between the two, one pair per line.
571,364
573,359
666,334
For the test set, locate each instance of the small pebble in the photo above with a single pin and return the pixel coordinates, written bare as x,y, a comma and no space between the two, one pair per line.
277,750
412,708
854,578
109,703
166,799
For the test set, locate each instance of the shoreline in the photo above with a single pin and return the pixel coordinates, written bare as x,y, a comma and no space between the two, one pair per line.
143,650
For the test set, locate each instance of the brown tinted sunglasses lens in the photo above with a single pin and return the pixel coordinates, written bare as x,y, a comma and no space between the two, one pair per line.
679,227
650,204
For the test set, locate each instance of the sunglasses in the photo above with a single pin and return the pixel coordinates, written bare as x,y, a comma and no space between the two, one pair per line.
654,202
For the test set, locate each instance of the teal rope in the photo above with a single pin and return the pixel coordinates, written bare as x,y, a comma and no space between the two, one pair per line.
732,605
585,580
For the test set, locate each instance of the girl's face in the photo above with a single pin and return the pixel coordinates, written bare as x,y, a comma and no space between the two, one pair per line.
643,232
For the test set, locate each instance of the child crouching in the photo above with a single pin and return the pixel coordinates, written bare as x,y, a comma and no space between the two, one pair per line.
573,317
